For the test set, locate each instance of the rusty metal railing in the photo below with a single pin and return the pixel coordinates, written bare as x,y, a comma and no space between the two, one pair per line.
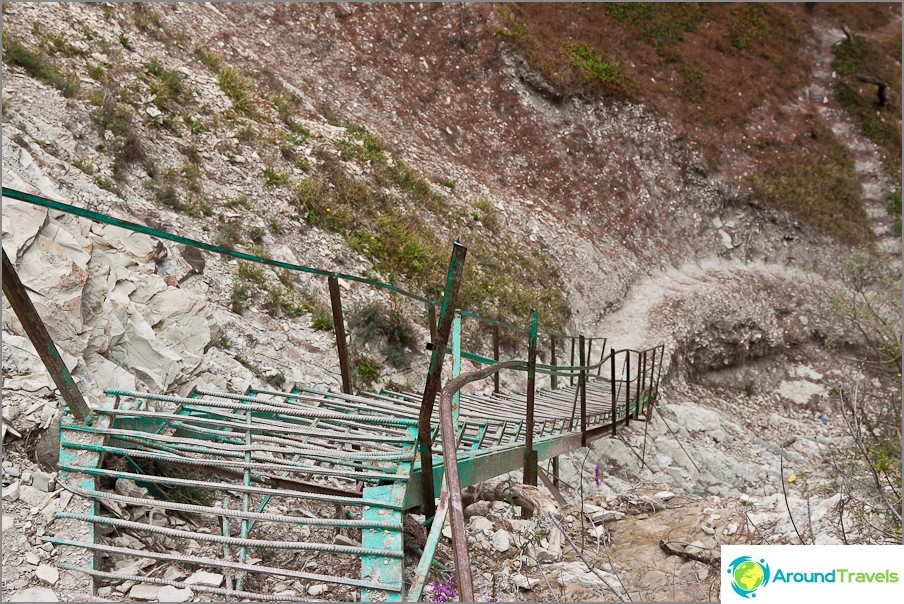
646,383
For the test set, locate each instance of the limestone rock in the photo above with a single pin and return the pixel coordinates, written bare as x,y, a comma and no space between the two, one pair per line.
48,574
43,481
524,583
202,577
145,591
29,220
317,590
168,593
501,541
480,523
35,594
11,493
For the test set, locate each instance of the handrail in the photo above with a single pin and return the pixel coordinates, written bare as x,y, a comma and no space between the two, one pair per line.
452,483
100,217
451,494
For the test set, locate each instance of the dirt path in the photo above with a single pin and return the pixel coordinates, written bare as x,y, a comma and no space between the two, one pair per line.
634,324
874,179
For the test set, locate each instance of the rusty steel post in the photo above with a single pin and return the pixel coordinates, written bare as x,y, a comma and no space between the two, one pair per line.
614,393
431,320
586,360
571,377
582,386
602,356
496,357
339,329
435,374
627,387
530,456
553,378
555,471
643,382
37,333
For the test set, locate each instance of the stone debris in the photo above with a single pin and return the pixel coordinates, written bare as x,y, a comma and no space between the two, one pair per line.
11,492
317,590
48,574
502,541
202,577
147,592
480,523
524,583
169,593
43,481
35,594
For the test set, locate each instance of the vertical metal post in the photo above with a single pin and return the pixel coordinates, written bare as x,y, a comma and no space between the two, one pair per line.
530,456
642,390
614,393
627,387
586,360
582,386
602,356
553,378
555,471
435,374
431,320
339,329
40,338
496,357
456,366
571,377
658,370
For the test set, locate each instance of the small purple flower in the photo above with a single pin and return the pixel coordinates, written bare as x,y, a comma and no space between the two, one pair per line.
598,476
444,591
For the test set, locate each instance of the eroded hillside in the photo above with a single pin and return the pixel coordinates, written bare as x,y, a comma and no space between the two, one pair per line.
713,177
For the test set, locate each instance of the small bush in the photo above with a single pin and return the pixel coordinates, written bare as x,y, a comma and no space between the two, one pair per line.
367,371
751,388
374,321
239,297
321,321
236,88
274,178
596,68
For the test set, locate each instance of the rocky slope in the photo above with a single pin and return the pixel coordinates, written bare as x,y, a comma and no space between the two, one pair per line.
313,134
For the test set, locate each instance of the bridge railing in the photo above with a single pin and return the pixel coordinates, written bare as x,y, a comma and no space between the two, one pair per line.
640,390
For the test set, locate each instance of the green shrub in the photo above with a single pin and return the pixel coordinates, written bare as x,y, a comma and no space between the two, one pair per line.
367,371
236,88
321,321
375,320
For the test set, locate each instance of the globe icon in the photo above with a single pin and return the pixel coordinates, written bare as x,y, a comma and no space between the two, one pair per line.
748,575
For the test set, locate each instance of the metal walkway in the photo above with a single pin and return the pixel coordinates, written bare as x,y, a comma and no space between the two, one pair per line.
310,485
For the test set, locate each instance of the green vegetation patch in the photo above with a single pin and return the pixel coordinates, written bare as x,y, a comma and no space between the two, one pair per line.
818,184
880,124
38,66
606,71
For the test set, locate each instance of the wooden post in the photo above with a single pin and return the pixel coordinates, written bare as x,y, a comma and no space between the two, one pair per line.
37,332
339,329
